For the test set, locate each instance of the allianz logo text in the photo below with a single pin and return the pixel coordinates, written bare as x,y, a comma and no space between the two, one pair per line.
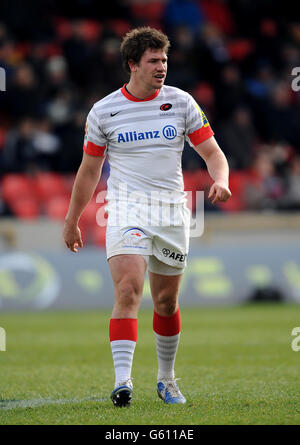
169,132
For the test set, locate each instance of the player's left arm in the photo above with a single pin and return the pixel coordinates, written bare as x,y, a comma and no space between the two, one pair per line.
217,167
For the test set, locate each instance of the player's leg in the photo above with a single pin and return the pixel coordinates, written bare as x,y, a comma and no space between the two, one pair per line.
166,326
128,273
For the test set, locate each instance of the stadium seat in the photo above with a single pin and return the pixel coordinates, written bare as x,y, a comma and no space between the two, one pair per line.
90,30
239,49
3,133
98,236
14,186
57,207
198,180
63,28
204,94
219,13
26,208
190,180
151,12
68,180
119,26
238,181
48,185
88,217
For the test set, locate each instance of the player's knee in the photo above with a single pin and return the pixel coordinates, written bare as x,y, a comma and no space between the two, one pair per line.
166,304
128,293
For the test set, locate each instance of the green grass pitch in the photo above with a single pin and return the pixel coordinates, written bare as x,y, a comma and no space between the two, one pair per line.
236,366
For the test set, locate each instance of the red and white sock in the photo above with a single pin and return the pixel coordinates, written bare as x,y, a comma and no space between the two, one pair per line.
167,335
123,336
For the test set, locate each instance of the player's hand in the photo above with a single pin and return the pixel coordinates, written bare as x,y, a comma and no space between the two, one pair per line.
72,237
219,192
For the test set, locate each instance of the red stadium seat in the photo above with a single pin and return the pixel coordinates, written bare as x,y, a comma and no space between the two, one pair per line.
16,185
68,183
150,11
90,30
26,208
88,217
204,94
239,49
63,28
98,236
57,207
190,180
48,185
219,13
119,26
197,180
3,133
204,180
238,181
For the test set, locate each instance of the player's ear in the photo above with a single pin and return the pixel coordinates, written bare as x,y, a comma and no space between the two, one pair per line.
132,65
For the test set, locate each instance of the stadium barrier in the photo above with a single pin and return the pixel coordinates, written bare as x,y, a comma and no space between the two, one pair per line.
240,257
216,275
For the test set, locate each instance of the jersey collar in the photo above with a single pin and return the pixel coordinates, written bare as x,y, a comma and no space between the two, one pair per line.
135,99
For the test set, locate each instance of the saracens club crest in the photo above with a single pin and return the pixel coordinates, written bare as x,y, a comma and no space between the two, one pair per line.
165,107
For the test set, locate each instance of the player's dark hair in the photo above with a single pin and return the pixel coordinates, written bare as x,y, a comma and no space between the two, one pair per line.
138,40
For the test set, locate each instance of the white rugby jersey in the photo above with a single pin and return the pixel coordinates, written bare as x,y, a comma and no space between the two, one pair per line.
144,140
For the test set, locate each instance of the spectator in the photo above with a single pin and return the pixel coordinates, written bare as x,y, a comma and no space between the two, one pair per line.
18,153
264,189
291,199
46,145
230,91
237,137
183,12
24,95
282,119
31,146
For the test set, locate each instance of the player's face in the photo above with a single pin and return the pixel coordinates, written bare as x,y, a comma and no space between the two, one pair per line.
151,71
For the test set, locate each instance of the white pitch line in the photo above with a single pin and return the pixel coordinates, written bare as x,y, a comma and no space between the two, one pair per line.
33,403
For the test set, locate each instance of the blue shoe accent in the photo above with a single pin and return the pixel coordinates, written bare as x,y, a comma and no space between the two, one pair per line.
122,395
169,392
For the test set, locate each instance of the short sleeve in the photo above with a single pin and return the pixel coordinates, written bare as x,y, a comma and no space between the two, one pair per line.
198,128
94,140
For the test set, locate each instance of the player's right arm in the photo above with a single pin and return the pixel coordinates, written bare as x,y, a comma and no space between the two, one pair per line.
86,180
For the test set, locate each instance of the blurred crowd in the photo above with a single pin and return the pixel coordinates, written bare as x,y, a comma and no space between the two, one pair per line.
234,56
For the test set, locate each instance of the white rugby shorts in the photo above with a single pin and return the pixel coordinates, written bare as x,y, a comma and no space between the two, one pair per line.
162,239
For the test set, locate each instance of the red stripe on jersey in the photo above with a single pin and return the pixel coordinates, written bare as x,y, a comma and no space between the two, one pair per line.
123,329
200,135
92,149
167,325
135,99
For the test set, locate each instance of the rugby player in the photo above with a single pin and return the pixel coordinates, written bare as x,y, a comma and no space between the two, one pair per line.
141,129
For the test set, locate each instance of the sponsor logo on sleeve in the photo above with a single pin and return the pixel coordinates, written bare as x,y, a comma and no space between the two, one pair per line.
204,119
